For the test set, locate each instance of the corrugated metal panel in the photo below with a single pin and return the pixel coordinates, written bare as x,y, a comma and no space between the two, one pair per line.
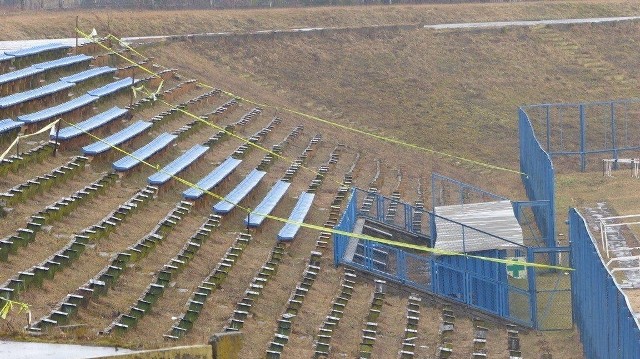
494,227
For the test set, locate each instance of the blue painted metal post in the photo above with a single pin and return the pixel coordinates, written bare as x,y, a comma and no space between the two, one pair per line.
531,278
408,217
401,269
614,144
548,130
583,138
380,205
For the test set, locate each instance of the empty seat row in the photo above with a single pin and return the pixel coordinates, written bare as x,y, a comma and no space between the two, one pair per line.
278,148
259,136
411,330
208,286
447,327
176,166
479,339
100,120
370,330
294,304
37,154
222,108
513,342
156,145
212,179
172,268
109,275
52,213
239,192
47,51
323,339
268,269
126,134
297,216
74,249
39,184
9,129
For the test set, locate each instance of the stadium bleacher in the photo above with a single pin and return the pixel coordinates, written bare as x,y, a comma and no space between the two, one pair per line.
212,179
156,145
298,214
63,108
267,205
18,101
113,87
177,165
239,192
90,124
116,139
63,62
8,125
89,74
37,50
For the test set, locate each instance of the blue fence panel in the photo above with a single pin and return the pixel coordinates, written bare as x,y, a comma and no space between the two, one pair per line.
608,328
538,177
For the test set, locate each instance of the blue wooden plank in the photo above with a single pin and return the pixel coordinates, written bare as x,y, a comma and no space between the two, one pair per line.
267,205
88,74
298,214
5,57
116,139
177,165
213,178
37,49
112,87
8,125
128,162
19,74
62,62
58,110
239,192
90,124
33,94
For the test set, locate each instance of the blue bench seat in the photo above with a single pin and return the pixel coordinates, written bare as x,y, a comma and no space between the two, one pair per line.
112,87
58,110
239,192
177,165
156,145
33,94
89,124
19,74
267,205
5,57
37,49
8,125
117,138
62,62
212,179
298,214
88,74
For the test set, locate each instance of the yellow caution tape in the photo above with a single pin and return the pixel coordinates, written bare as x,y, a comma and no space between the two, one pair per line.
321,228
198,118
19,137
8,306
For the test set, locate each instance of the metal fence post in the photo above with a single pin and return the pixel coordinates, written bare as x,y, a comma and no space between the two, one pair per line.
583,138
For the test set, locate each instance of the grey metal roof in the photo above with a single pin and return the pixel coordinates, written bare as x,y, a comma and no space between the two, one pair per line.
484,226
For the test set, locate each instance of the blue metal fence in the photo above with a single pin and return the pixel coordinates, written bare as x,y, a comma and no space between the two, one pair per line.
608,327
587,130
538,177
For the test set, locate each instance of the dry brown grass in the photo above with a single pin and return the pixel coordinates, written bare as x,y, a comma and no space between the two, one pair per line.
455,91
28,24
